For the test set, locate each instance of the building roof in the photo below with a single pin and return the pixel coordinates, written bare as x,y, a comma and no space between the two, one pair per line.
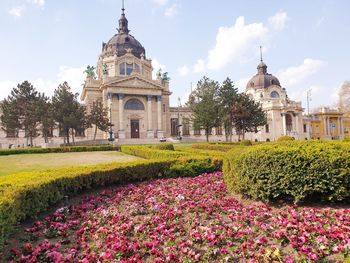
123,41
262,79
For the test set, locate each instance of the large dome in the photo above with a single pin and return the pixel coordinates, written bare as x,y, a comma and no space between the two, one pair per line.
263,79
122,42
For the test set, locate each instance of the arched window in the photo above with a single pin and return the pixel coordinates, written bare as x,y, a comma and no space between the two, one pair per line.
275,95
134,104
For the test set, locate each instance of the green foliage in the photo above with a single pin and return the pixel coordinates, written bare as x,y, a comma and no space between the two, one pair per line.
99,117
285,138
191,167
227,95
151,153
247,115
164,146
246,142
215,147
68,112
60,149
20,110
291,171
204,104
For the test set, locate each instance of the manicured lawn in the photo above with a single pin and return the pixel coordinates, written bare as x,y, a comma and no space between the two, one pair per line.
38,162
184,220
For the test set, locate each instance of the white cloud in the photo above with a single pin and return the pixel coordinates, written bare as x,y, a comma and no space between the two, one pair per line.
160,2
171,11
235,41
74,76
39,3
156,66
278,21
16,11
183,71
241,84
294,75
199,66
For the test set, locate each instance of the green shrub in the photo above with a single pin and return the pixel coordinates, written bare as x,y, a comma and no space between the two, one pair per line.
246,143
285,138
291,171
164,146
151,153
59,149
214,147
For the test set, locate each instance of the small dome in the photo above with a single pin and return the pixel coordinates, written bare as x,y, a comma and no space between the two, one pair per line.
263,79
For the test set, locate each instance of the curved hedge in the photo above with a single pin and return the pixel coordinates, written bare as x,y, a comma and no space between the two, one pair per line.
291,171
26,194
59,149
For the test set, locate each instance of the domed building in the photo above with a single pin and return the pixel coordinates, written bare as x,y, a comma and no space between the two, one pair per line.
138,105
284,116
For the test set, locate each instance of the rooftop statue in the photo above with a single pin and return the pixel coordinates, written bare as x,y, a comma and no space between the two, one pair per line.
90,72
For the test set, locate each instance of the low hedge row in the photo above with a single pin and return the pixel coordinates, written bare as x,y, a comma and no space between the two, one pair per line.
59,149
291,171
149,152
224,147
24,195
164,146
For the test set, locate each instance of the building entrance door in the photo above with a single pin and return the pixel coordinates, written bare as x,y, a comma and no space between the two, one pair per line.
135,129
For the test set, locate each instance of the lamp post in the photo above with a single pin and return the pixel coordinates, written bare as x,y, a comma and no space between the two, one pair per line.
178,120
110,125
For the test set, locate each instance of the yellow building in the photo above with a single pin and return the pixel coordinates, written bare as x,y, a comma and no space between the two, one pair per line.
329,124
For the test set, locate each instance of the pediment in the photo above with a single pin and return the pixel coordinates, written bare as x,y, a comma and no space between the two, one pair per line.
134,82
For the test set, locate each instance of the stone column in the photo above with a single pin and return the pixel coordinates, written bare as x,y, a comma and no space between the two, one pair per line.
284,123
325,131
150,133
160,133
121,131
297,125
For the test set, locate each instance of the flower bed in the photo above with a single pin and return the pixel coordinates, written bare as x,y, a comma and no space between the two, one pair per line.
184,220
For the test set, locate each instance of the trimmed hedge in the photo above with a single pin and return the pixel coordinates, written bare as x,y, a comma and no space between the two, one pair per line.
291,171
285,138
164,146
214,147
151,153
24,195
60,149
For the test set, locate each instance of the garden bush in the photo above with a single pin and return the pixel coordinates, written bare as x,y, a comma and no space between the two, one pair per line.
26,194
164,146
215,147
59,149
246,143
151,153
291,171
285,138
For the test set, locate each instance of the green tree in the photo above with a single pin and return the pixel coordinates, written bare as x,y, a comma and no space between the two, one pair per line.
204,104
23,104
46,115
67,111
98,117
227,95
9,117
247,115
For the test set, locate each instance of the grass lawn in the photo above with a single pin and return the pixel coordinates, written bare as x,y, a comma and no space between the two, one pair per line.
38,162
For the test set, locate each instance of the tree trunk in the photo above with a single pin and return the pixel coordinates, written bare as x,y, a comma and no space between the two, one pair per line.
31,141
95,132
67,134
243,135
207,134
73,137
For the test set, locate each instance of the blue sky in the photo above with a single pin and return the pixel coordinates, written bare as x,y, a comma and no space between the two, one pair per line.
305,43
